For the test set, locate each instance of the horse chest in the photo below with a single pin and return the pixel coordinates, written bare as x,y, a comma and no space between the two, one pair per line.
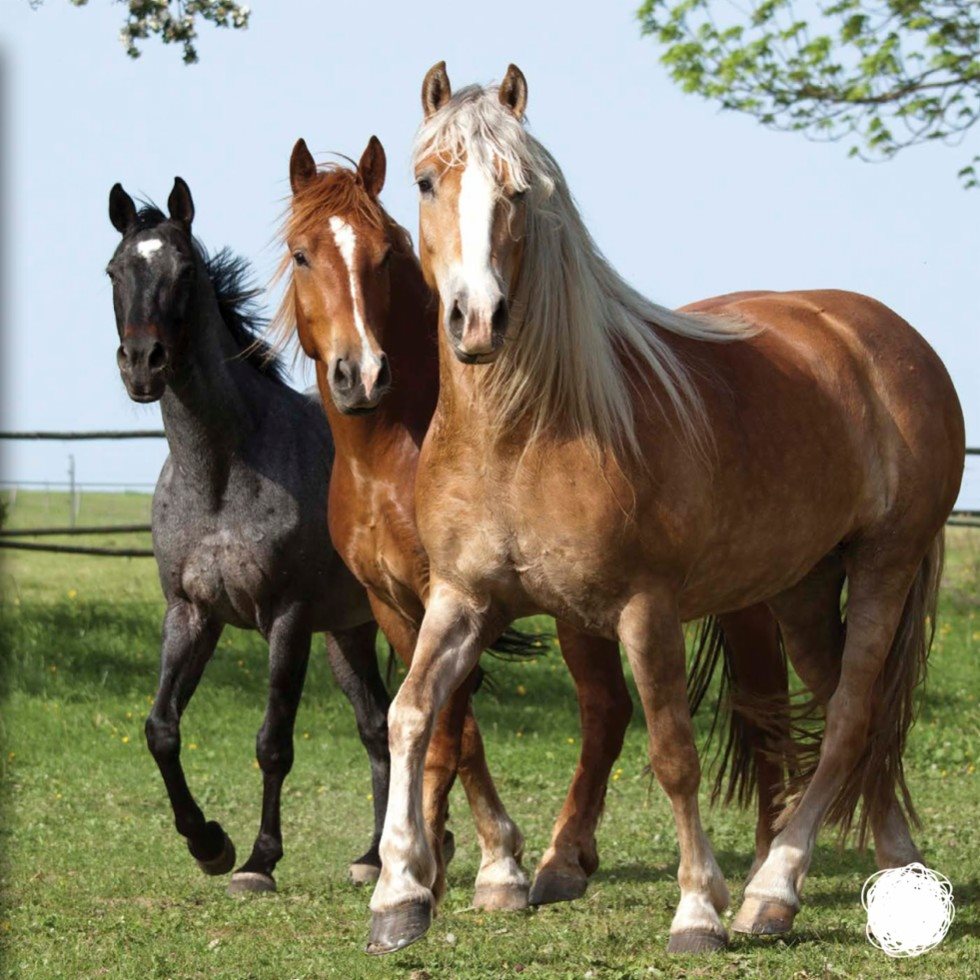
224,573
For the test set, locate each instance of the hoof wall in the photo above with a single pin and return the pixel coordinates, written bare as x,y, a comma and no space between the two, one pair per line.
500,898
363,874
696,941
759,917
221,864
394,929
251,883
550,887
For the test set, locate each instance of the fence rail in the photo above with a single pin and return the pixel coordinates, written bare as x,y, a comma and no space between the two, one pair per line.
958,518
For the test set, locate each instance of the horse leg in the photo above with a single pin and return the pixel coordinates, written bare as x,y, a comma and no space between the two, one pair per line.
651,631
813,633
289,654
449,645
457,746
189,639
876,602
759,671
605,709
354,663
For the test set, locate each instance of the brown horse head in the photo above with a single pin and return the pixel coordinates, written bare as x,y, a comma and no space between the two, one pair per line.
153,273
340,244
472,209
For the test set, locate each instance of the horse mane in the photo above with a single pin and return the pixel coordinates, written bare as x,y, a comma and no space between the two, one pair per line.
578,326
236,294
334,190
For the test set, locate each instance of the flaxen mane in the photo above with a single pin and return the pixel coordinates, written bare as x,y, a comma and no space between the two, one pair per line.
576,323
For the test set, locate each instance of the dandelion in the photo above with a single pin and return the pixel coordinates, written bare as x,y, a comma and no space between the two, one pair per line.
73,593
520,734
11,756
192,746
306,735
129,714
53,668
571,741
521,690
125,740
617,774
255,763
370,797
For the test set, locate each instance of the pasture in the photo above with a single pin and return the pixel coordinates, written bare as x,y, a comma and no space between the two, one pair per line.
96,882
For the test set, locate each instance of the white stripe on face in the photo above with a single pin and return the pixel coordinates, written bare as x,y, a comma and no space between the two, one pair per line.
346,240
476,205
147,248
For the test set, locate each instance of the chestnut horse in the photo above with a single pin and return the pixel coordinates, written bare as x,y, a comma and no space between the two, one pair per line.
362,311
627,468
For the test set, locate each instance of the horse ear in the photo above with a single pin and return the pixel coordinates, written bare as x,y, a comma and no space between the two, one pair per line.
302,166
180,204
513,91
122,211
371,169
436,90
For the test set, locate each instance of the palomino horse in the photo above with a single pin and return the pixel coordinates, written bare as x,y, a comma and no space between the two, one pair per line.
239,531
627,468
361,309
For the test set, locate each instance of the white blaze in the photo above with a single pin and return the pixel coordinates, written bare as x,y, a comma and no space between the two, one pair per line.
346,240
149,247
476,202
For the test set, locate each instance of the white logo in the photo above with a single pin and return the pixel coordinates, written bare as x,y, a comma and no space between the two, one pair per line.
909,909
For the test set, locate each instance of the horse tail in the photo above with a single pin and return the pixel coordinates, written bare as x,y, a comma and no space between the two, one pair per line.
515,644
880,770
747,722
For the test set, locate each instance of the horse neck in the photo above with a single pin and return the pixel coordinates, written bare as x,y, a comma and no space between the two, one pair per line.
205,406
409,342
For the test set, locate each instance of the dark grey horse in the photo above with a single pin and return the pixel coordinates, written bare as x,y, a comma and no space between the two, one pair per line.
239,518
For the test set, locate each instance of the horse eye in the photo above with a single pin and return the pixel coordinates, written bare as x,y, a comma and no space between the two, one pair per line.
516,196
425,185
300,258
386,258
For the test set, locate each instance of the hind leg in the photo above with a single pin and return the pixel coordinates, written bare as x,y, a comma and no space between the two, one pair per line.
876,600
605,708
814,632
289,654
189,639
354,663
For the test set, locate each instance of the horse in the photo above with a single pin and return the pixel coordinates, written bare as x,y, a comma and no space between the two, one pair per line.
357,301
628,468
239,527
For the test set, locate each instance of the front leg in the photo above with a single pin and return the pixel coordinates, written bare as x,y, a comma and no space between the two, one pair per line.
289,654
189,639
450,641
605,709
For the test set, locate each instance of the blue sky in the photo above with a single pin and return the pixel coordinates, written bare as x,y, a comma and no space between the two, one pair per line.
686,202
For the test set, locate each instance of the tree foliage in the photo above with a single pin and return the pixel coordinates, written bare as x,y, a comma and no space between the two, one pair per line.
886,74
173,21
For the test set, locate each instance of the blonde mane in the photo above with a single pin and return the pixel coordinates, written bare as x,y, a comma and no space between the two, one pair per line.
577,327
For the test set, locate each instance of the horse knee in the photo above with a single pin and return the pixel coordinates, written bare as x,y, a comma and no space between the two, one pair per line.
162,738
274,752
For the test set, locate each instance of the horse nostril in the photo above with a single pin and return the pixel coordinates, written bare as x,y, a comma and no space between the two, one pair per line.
498,322
456,320
384,373
345,375
122,357
157,358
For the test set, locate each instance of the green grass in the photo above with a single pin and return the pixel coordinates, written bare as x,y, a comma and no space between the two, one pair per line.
95,881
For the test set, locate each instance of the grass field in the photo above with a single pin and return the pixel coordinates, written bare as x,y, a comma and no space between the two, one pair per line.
96,882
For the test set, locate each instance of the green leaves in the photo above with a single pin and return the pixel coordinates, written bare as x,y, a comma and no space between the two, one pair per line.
886,74
174,21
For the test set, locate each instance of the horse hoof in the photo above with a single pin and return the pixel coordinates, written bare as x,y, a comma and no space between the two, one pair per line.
223,862
251,883
552,886
764,917
448,847
394,929
362,873
696,941
500,898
